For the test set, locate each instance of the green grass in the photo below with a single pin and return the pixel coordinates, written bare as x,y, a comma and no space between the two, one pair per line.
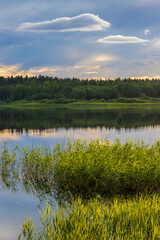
127,176
86,167
119,219
78,104
96,167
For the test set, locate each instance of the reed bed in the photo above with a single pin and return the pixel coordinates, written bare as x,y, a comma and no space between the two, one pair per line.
119,219
96,167
126,175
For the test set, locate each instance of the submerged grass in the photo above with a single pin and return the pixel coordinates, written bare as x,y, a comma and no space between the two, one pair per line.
137,218
96,167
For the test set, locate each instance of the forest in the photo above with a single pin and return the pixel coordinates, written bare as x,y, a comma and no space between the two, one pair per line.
67,89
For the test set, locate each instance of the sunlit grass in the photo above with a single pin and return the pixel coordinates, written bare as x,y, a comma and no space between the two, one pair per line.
137,218
97,166
89,167
83,104
126,175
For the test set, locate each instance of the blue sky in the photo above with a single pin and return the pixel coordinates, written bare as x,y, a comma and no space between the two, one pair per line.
84,39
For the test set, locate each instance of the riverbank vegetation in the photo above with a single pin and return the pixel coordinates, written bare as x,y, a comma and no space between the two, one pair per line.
118,219
117,187
56,90
99,167
86,168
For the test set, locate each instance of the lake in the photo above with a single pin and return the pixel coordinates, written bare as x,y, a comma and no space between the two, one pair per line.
47,127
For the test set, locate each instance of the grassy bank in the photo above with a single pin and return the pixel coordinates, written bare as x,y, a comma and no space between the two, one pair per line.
74,104
119,219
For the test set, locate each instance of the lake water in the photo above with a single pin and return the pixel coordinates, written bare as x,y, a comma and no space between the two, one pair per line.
47,126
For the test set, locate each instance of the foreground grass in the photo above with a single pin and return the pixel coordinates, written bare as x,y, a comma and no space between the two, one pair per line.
126,175
137,218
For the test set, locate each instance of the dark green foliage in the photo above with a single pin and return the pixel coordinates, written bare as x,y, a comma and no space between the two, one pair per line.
149,91
47,118
38,88
129,90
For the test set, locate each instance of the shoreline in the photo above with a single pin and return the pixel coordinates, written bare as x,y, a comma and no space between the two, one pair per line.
79,105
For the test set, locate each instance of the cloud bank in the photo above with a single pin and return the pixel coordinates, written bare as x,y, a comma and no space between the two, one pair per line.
119,39
84,22
14,70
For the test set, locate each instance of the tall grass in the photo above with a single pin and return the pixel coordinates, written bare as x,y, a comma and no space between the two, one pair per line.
103,167
136,219
90,168
98,167
9,168
37,169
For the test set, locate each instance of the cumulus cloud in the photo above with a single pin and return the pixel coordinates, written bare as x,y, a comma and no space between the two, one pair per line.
82,23
146,32
119,39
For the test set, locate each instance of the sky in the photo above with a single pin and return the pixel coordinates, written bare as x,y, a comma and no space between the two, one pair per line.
86,39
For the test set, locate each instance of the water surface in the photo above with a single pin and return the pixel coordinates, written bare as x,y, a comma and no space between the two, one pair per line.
49,126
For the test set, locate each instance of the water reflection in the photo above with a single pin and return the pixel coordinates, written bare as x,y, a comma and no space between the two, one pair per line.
20,192
39,120
49,126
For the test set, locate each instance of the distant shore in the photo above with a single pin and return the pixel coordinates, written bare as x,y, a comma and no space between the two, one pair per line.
132,103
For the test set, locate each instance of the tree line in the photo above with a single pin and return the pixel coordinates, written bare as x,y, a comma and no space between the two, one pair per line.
43,87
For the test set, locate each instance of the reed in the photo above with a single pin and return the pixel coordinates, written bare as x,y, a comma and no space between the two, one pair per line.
126,175
119,219
107,168
82,167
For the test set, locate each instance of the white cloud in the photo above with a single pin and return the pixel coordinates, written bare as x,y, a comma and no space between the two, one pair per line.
156,42
119,39
96,60
82,23
146,32
88,73
102,58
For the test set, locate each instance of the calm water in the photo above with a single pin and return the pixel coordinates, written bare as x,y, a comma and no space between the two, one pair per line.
50,126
